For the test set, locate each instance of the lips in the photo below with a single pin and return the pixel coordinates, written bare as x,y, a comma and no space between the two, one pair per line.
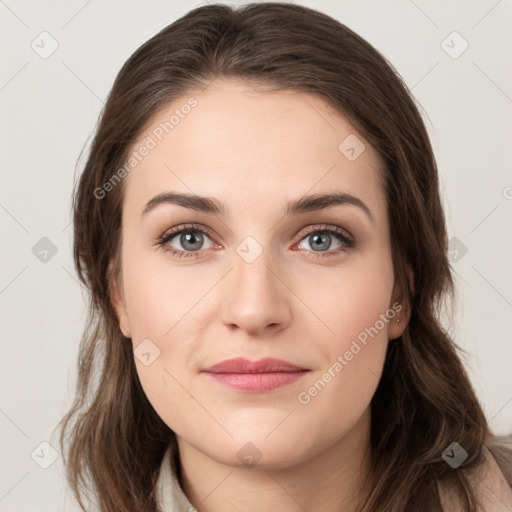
255,376
241,365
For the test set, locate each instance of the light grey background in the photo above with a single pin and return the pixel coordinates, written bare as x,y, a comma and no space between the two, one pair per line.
50,107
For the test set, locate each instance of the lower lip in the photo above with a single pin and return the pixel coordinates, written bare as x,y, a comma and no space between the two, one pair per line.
257,382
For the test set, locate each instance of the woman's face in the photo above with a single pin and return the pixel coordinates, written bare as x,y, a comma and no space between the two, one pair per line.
256,277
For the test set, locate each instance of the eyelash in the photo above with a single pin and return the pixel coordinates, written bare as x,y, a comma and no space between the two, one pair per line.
348,242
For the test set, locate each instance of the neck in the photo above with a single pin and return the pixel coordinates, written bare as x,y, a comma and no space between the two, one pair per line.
332,480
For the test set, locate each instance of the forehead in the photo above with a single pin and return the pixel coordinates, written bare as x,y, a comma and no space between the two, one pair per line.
251,147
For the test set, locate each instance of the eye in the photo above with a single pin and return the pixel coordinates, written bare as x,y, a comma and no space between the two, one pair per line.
320,240
190,238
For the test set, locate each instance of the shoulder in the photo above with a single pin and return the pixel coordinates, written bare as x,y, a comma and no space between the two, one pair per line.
490,485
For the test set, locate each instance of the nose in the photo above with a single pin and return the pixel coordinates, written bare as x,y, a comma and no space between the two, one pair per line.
256,297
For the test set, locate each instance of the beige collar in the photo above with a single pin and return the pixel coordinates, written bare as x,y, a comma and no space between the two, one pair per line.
170,497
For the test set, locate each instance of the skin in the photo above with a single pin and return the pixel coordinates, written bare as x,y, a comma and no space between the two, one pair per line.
254,152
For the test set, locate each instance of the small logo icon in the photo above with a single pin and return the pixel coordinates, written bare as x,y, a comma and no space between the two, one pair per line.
44,250
146,352
454,45
351,147
249,454
456,249
249,249
44,45
44,455
454,455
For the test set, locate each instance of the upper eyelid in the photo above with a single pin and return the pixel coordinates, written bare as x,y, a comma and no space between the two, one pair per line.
180,229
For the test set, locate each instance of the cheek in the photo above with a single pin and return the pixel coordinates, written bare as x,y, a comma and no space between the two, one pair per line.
160,297
348,301
340,391
355,309
164,310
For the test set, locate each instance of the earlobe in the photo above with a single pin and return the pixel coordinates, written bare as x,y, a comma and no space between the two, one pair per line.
117,300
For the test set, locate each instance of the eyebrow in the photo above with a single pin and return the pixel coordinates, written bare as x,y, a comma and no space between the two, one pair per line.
303,205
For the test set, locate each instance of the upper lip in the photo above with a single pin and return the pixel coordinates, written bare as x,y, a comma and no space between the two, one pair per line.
242,365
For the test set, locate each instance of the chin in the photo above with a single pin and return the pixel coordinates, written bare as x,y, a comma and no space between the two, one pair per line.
256,450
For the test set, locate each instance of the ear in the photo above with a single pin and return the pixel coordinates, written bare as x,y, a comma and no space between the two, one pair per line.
117,299
400,304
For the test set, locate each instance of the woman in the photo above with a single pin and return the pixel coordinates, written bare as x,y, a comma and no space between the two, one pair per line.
260,228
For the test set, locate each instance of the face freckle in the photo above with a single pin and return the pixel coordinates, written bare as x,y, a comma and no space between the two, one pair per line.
251,292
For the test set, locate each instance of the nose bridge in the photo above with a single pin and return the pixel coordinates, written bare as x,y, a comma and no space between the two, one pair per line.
252,273
256,296
253,265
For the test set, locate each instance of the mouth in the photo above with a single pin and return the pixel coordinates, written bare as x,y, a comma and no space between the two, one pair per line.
255,376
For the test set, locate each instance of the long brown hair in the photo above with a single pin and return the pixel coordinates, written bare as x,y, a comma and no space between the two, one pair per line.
112,437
